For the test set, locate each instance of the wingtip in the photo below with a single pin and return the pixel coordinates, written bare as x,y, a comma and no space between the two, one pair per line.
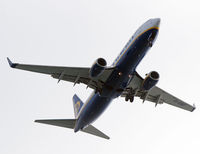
108,138
36,120
194,107
13,65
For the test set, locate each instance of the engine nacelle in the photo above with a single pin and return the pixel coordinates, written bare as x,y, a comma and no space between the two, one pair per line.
98,67
150,81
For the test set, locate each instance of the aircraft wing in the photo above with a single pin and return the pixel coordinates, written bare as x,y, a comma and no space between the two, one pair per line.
72,74
156,95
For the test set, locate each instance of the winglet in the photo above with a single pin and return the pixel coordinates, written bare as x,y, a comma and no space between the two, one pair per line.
194,107
13,65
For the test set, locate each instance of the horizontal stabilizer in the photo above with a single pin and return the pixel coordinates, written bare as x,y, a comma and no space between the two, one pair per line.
70,123
67,123
92,130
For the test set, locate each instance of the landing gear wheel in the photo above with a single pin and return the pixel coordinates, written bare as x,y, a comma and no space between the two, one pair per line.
131,99
126,98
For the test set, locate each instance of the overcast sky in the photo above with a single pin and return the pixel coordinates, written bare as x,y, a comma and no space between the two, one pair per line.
76,33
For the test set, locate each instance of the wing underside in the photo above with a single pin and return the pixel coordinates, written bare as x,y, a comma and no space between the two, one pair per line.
72,74
155,95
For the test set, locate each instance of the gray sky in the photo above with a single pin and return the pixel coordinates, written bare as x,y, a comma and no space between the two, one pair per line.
75,33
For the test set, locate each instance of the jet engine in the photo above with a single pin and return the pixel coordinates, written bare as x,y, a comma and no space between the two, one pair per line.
150,81
98,67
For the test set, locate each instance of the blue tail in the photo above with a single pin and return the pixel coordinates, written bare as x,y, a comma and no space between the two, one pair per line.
77,105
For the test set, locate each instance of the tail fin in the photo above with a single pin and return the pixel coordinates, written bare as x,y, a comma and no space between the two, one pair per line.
77,105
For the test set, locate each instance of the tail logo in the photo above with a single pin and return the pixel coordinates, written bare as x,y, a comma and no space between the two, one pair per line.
77,106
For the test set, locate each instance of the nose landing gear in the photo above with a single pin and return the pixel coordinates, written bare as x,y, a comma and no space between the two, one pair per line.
150,43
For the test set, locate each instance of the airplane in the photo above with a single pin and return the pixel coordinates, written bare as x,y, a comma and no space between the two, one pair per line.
110,82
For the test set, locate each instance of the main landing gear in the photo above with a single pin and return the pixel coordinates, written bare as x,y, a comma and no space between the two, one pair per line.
130,95
131,98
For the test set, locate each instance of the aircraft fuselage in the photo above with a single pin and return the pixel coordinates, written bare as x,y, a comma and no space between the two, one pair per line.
125,65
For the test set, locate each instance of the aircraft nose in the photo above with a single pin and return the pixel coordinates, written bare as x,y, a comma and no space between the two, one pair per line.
156,22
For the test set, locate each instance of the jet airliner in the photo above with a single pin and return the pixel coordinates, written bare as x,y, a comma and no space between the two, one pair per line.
110,82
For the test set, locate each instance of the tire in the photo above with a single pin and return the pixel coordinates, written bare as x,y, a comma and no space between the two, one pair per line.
126,98
131,99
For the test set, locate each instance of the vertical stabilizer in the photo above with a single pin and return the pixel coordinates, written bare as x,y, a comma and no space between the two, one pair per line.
77,105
